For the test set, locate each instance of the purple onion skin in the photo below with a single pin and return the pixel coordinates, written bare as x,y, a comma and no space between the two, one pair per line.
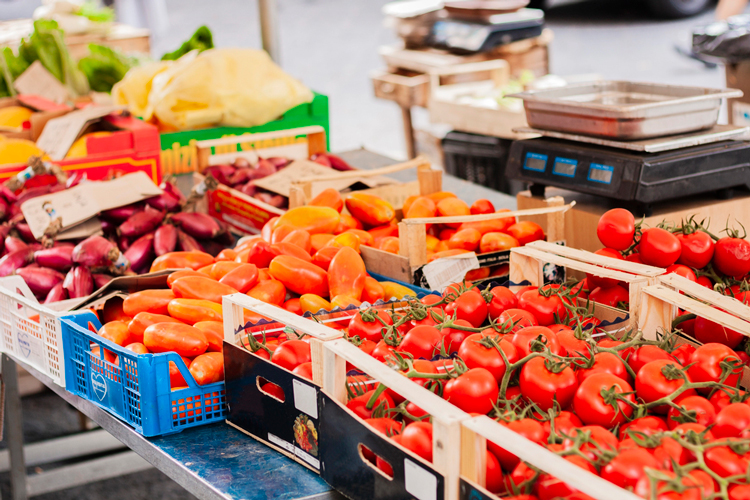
95,251
12,244
279,162
141,253
123,243
78,282
25,232
212,247
241,176
263,168
172,189
33,193
221,173
40,279
101,279
141,223
108,227
57,294
248,188
16,260
121,214
165,202
165,239
8,195
187,243
4,209
59,258
197,225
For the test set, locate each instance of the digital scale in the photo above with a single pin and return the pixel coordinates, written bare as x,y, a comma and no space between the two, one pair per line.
466,36
637,172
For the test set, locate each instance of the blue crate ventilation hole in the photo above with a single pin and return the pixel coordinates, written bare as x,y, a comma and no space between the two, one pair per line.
136,388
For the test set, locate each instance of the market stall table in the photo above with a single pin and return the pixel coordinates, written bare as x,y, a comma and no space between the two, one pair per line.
211,462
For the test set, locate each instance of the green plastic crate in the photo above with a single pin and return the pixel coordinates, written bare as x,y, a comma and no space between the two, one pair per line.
178,153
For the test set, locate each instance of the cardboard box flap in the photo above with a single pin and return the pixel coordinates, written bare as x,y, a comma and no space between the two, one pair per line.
60,133
124,285
38,81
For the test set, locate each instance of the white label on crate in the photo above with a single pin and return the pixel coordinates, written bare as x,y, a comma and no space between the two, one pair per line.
740,113
280,442
307,457
99,385
30,348
305,398
419,482
443,272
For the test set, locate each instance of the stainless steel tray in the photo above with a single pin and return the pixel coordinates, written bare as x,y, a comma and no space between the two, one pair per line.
624,110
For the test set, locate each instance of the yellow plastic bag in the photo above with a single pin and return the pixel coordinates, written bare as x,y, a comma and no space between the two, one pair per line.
231,87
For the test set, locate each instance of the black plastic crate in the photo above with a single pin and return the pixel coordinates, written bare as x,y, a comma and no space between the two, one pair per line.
480,159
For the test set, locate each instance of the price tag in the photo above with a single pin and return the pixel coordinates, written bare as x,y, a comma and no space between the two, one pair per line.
442,272
419,482
36,80
305,398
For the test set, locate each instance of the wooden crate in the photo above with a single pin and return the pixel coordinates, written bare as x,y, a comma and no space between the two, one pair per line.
407,265
119,36
428,181
254,411
581,221
243,213
407,88
344,467
527,267
447,104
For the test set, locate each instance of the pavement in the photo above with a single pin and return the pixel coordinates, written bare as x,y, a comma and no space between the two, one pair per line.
331,45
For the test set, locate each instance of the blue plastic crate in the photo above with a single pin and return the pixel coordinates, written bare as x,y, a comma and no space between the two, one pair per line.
137,389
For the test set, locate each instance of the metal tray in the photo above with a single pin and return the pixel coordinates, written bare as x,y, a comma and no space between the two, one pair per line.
624,110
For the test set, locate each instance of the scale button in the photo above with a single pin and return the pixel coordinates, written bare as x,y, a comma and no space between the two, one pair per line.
536,162
565,167
600,173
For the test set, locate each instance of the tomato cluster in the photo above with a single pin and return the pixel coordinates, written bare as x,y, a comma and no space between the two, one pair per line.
649,416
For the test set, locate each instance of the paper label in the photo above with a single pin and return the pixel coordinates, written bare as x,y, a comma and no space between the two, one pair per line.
280,443
300,453
740,113
37,80
82,202
442,272
305,398
60,133
419,482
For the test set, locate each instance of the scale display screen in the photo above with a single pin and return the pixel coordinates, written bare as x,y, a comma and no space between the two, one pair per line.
601,173
536,162
460,35
565,167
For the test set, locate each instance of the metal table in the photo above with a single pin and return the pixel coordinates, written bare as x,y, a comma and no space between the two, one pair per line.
211,462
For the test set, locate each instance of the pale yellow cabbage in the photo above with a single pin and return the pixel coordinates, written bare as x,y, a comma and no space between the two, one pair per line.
231,87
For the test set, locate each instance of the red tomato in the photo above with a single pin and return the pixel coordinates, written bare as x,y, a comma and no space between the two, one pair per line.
646,354
628,467
705,281
611,296
502,299
523,339
383,351
605,362
564,424
474,391
647,425
366,325
705,364
683,271
546,305
698,407
682,353
526,427
721,399
304,370
616,229
690,490
291,354
603,439
592,407
478,351
358,404
651,383
493,474
597,281
732,421
573,345
421,342
739,492
549,487
516,319
469,306
697,249
482,206
726,462
454,338
732,257
417,438
658,247
707,331
543,386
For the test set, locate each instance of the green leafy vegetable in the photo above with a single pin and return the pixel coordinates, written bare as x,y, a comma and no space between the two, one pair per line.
47,45
201,40
104,67
11,67
97,14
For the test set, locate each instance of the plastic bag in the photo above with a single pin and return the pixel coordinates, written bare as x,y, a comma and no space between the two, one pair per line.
231,87
726,41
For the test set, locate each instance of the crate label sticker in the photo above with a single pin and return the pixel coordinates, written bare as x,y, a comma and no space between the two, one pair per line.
740,113
99,386
305,398
442,272
280,443
307,458
419,482
30,348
